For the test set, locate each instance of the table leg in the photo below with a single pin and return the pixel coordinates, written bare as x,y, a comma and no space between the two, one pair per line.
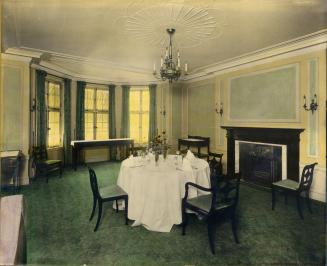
75,158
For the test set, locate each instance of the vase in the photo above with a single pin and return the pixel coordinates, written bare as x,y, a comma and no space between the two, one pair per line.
156,158
165,152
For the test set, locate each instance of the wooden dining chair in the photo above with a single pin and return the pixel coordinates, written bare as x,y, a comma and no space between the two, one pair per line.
215,162
106,194
217,204
43,166
289,186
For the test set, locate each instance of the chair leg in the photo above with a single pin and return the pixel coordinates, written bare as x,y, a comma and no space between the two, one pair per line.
93,209
99,215
211,234
299,208
46,176
116,206
126,211
60,173
308,201
184,218
285,198
273,198
234,228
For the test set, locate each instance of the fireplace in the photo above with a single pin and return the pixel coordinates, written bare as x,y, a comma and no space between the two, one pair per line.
282,142
259,163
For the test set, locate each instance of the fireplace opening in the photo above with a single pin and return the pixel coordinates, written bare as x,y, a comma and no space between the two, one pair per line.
260,163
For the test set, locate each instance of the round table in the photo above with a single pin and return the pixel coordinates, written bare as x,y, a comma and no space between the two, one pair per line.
155,190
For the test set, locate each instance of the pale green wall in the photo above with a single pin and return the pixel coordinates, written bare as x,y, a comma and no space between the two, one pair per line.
176,112
266,96
313,118
201,115
14,108
12,113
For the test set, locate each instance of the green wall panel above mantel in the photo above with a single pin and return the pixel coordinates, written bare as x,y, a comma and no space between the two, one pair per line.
265,96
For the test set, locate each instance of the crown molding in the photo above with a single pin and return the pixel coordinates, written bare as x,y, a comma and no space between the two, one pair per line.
309,43
23,52
53,70
78,59
19,58
64,73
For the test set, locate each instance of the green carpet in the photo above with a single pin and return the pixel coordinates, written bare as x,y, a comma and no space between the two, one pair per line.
59,232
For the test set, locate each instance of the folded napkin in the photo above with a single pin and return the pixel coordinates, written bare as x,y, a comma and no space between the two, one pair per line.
185,166
191,158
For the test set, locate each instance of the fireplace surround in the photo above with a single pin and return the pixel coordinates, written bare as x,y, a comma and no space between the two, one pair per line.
284,136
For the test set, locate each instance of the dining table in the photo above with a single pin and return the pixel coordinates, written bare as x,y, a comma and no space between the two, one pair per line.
155,189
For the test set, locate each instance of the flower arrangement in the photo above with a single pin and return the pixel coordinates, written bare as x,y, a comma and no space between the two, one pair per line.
159,145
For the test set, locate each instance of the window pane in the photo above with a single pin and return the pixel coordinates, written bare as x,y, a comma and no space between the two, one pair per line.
54,129
102,100
89,99
102,126
88,125
134,127
145,127
134,100
145,100
53,95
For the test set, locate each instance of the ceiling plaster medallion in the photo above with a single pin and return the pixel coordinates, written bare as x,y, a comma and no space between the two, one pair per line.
194,25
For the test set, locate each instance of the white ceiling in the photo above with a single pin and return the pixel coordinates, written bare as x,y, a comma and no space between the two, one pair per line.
110,39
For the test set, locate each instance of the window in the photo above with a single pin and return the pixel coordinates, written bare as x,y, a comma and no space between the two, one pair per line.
53,102
139,105
96,113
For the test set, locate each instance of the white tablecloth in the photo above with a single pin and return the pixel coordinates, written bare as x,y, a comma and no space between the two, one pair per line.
155,191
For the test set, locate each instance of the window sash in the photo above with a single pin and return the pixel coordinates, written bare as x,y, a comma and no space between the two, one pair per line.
53,106
140,134
96,110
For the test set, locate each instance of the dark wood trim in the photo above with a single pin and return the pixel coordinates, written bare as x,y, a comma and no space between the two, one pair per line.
285,136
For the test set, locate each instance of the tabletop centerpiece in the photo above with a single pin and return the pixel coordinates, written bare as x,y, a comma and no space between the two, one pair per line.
159,146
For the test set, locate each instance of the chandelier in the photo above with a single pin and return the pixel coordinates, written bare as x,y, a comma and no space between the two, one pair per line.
168,68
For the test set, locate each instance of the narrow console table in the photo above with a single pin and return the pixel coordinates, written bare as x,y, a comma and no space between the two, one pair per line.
78,145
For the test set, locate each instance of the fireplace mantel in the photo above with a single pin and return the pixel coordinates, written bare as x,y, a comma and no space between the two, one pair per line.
285,136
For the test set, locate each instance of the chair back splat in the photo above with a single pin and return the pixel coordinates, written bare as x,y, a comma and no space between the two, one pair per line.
307,177
215,163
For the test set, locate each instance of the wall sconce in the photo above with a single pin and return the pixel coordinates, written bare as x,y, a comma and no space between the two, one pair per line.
313,105
220,111
33,107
